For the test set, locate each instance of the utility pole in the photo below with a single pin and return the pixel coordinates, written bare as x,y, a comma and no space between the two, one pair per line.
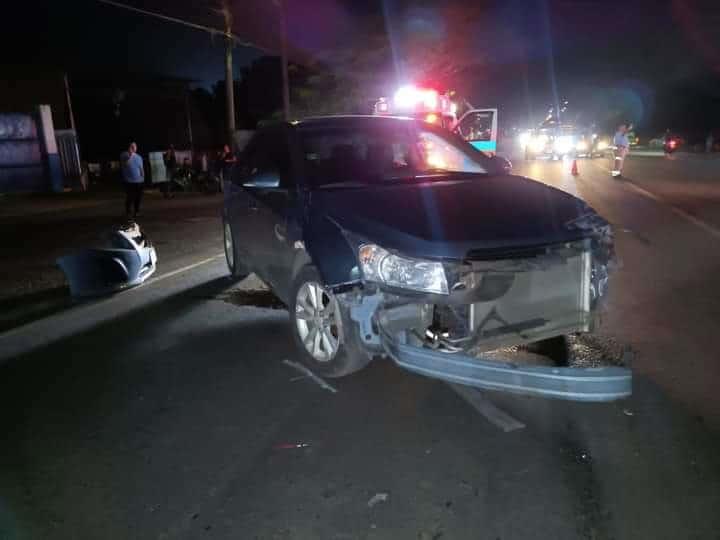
284,60
69,102
230,40
189,119
229,82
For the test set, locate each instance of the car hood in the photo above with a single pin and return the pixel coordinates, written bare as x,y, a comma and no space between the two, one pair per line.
446,218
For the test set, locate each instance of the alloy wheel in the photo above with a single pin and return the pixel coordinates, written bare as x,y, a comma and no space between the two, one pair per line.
318,321
229,251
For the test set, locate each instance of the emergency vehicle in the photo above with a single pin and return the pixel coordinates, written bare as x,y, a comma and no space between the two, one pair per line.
477,126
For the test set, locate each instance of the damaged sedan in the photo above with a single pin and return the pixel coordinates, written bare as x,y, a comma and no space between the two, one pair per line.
391,237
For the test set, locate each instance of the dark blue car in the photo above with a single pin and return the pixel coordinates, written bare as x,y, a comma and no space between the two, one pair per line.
389,237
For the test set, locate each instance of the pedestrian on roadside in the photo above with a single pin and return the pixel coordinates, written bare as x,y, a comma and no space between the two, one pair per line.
622,145
171,168
709,142
134,178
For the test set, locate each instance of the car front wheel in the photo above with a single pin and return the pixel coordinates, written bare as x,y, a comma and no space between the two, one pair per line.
236,268
324,333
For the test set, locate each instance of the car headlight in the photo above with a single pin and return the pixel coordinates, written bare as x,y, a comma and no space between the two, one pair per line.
581,146
381,266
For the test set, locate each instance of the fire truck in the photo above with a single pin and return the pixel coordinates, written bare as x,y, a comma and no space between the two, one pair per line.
477,126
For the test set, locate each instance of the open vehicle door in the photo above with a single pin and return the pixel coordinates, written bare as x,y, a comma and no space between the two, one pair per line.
479,128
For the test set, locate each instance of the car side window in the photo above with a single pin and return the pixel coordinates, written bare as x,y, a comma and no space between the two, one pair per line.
268,152
476,126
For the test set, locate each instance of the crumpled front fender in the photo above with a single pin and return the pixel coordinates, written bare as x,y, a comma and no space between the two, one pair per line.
330,251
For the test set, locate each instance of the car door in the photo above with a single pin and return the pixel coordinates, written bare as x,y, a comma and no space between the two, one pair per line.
273,188
243,205
479,128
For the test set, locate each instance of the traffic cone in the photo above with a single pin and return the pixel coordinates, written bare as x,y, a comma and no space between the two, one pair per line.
574,170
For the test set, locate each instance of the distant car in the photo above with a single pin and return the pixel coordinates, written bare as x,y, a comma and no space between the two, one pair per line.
555,143
601,145
392,237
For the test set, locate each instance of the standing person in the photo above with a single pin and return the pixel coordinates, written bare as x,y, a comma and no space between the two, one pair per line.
622,145
133,177
171,167
227,161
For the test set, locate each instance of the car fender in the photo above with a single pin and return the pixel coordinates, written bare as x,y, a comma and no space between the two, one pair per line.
328,247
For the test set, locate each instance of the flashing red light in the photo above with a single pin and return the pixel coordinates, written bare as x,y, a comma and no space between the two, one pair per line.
673,144
410,97
430,99
407,96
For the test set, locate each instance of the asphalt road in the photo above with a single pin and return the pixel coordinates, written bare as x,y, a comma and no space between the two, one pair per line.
177,418
666,215
39,230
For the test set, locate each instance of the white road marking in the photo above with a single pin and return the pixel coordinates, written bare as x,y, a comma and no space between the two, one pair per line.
302,369
23,328
704,225
710,229
486,408
183,269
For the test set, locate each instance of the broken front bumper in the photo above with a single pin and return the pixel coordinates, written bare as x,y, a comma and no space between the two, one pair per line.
493,305
576,384
126,261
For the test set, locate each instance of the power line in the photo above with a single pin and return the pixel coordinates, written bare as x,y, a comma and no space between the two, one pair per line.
183,22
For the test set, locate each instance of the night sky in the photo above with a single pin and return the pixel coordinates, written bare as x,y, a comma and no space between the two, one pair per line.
656,61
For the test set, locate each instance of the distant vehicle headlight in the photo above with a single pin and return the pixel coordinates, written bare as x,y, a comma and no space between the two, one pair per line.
563,145
537,144
524,139
381,266
581,146
602,145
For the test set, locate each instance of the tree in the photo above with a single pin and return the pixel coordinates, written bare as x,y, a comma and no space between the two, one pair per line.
433,48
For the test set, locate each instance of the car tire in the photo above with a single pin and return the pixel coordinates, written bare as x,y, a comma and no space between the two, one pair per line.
237,269
336,349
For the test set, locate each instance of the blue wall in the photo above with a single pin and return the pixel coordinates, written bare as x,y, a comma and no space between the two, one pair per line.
22,164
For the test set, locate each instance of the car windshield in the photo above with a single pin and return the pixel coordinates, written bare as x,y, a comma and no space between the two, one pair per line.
374,153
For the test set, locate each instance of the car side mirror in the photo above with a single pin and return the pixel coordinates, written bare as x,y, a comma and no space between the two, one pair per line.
263,180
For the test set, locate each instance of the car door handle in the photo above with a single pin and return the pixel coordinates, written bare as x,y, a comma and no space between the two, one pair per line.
280,232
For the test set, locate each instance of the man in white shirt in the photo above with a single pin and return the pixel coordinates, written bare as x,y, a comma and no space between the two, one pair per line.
622,145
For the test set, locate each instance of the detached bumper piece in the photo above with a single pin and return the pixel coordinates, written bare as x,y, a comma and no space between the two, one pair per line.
127,262
574,384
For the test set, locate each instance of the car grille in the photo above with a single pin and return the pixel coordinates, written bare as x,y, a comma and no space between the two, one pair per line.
505,253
